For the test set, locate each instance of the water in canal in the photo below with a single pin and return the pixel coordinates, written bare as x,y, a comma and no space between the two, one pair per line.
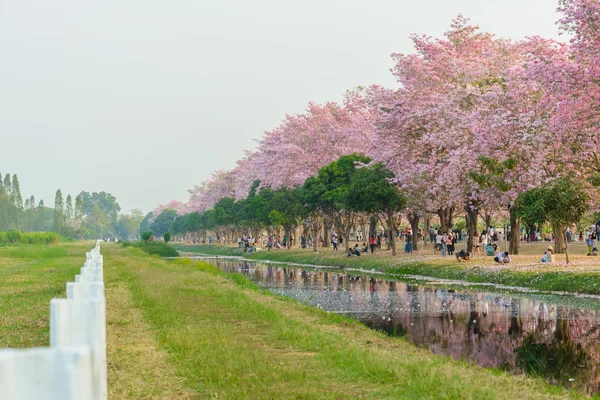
554,337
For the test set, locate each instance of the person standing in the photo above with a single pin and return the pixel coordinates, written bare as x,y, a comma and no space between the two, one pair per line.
334,242
451,243
372,243
444,245
438,242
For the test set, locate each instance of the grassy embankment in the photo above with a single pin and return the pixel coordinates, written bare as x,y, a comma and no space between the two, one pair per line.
184,330
581,276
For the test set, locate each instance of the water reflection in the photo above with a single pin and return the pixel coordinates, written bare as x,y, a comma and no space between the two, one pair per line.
543,337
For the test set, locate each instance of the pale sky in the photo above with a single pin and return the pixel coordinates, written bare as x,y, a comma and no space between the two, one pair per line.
145,98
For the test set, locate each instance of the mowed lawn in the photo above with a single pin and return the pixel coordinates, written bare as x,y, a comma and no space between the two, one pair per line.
183,330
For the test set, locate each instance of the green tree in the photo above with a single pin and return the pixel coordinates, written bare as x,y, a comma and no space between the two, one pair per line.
97,222
16,201
127,227
40,223
561,202
78,215
146,222
69,215
163,222
59,212
167,237
370,191
286,207
335,179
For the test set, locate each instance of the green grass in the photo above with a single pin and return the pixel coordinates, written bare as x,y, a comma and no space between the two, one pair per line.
30,276
161,249
184,329
576,280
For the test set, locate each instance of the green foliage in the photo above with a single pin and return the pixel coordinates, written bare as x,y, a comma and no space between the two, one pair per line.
561,202
146,236
494,173
14,236
167,237
162,223
371,191
336,179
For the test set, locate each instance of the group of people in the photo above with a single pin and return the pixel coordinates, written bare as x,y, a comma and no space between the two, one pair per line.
445,243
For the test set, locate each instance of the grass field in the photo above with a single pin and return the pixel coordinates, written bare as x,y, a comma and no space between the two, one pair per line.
180,330
582,275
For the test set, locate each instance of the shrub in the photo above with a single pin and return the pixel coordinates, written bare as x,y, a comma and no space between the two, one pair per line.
14,236
167,237
146,236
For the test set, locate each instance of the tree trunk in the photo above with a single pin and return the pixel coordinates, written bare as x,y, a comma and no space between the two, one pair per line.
446,218
559,234
515,234
471,218
426,230
325,235
488,220
372,225
413,219
442,214
315,238
390,227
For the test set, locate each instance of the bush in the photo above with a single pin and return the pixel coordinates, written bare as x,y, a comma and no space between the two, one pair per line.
167,237
146,236
14,236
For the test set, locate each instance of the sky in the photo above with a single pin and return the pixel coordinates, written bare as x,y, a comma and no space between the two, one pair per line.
145,98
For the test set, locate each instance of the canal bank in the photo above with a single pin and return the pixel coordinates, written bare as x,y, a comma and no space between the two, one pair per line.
554,337
580,277
231,338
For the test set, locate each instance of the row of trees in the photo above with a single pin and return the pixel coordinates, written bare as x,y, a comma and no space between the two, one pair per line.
88,215
93,215
476,121
352,192
341,195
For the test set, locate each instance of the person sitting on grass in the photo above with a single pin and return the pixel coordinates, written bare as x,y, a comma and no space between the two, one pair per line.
462,256
502,258
356,251
365,248
548,256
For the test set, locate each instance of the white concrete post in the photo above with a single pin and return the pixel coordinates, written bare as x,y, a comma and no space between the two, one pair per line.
81,323
85,291
46,374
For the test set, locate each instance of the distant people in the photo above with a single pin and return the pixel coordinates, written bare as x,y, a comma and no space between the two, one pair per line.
365,248
334,242
356,250
450,242
438,243
372,243
408,248
462,256
548,256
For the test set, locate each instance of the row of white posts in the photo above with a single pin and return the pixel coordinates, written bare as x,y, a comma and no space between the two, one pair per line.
74,366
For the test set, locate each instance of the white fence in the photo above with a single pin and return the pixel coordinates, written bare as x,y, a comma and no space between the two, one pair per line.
74,366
